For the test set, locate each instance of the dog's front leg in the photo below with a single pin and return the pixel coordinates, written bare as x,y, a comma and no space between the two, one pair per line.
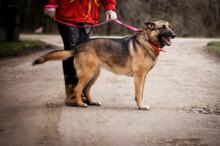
139,78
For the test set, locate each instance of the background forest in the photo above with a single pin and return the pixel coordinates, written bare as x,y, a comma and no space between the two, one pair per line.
196,18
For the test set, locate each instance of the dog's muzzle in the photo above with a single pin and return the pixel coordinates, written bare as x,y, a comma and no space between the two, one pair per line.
165,37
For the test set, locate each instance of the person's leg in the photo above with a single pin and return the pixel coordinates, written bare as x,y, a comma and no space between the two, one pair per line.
85,34
71,38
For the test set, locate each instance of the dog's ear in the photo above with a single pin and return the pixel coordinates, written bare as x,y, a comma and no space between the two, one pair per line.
150,25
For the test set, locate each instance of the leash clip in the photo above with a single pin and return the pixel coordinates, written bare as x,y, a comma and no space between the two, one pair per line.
88,28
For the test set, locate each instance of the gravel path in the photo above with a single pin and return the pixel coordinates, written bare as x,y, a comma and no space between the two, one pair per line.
183,90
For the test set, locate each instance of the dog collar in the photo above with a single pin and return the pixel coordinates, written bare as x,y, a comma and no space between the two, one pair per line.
156,49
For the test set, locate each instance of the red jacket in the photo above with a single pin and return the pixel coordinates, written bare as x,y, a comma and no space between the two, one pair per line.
82,11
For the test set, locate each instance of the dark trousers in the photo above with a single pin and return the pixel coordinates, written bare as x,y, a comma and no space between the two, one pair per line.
71,37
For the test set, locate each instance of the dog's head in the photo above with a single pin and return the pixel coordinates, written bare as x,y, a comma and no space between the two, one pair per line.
159,32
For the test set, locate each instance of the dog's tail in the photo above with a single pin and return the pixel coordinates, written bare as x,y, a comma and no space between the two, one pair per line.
54,55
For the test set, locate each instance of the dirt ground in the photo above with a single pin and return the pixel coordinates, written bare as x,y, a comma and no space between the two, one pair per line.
183,91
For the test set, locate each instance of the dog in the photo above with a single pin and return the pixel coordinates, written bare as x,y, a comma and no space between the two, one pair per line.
133,56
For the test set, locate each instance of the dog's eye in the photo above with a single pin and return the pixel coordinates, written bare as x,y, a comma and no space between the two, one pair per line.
169,26
164,26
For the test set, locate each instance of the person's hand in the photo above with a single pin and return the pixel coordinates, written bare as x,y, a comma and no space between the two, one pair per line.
51,12
110,15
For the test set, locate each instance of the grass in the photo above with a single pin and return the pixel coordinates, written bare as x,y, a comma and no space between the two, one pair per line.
19,47
214,47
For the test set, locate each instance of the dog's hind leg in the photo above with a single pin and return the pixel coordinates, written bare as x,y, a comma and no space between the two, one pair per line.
86,91
78,91
86,68
83,80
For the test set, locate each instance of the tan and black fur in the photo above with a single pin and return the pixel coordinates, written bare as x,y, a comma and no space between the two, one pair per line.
131,56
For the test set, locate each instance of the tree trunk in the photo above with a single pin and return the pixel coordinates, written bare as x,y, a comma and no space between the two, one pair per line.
9,19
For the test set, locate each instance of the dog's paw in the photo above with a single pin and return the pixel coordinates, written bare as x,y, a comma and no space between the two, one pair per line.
95,104
144,107
84,105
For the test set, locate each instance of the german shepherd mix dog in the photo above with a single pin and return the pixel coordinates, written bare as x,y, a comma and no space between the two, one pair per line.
132,56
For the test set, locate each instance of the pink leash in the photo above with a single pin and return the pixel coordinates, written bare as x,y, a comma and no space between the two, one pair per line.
79,26
128,26
99,24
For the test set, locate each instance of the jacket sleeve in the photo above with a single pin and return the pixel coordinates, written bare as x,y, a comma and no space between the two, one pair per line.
109,4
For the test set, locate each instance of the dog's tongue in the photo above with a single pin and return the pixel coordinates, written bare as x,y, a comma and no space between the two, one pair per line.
168,41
